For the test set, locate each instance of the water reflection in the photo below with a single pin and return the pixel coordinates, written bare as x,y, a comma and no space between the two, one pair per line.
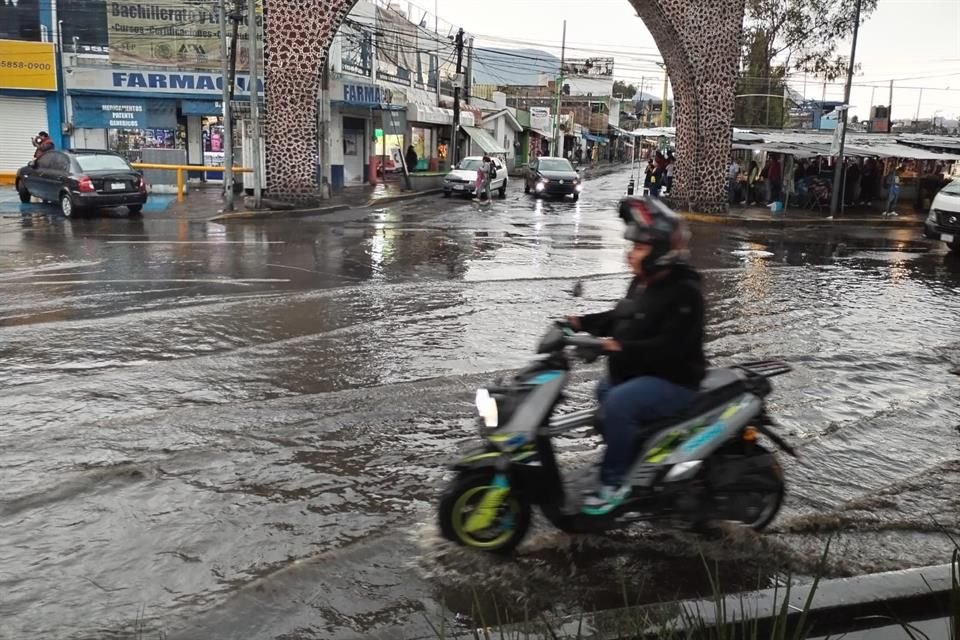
248,427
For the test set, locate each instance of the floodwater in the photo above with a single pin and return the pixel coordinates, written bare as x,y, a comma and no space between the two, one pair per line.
240,432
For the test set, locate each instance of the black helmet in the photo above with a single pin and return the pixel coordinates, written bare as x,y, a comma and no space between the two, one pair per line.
650,221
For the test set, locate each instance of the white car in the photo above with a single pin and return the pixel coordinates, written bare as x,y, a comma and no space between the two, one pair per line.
943,223
463,178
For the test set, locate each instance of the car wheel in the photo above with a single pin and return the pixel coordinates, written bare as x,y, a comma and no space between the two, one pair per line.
576,197
135,209
503,190
23,193
66,205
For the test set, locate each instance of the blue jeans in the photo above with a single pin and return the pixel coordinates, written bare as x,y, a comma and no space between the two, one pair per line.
626,410
893,197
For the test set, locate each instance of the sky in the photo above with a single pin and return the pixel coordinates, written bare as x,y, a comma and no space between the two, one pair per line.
916,43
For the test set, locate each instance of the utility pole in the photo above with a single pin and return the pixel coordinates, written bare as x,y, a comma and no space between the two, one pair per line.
890,110
255,139
557,149
235,18
227,116
838,172
663,105
456,101
919,100
783,110
468,78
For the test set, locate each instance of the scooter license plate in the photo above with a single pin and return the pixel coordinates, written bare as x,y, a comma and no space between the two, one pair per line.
946,237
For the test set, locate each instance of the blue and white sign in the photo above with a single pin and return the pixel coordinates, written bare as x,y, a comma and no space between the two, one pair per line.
366,95
153,81
94,112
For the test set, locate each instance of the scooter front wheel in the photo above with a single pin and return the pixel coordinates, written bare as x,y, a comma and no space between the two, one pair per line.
478,511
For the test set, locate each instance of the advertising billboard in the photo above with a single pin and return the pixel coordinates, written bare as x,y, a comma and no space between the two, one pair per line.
589,67
27,65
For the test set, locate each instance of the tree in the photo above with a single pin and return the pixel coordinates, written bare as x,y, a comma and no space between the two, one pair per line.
784,36
624,90
758,83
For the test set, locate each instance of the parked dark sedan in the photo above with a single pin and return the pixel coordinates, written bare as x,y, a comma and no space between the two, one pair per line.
83,179
553,177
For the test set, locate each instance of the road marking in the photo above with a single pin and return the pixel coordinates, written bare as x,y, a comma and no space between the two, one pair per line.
192,242
243,281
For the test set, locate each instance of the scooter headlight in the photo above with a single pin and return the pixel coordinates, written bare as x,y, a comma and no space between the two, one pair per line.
487,408
683,471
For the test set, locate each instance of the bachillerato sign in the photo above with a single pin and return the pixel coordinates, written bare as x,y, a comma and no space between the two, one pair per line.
182,32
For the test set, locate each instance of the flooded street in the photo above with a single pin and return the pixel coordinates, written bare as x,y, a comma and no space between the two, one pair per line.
240,431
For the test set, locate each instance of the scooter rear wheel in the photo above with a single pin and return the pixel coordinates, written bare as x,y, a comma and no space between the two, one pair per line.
762,506
461,499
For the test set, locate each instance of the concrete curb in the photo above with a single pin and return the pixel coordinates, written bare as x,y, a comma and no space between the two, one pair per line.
800,222
374,202
269,214
837,606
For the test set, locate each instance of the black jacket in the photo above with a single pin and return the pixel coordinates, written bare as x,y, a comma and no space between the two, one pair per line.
660,327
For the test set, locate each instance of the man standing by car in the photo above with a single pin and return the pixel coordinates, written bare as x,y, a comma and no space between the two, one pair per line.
485,174
43,143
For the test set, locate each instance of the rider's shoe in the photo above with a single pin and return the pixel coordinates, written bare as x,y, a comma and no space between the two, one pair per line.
604,499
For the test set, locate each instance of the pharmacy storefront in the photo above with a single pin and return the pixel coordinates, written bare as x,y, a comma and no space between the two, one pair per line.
29,101
129,110
366,137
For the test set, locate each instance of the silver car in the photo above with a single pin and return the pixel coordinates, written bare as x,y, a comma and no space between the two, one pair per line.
463,178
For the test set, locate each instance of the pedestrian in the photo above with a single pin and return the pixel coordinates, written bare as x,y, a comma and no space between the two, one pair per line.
484,176
411,159
753,184
852,181
668,181
648,176
789,178
866,181
733,172
892,182
43,143
774,178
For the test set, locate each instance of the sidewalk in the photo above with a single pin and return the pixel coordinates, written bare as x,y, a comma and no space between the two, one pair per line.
206,203
762,216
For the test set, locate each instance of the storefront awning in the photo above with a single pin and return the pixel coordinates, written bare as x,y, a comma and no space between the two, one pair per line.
201,107
484,139
430,114
594,138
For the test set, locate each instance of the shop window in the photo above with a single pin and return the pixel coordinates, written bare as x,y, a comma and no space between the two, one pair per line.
129,142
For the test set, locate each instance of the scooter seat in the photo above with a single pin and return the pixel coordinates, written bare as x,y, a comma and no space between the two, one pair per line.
717,379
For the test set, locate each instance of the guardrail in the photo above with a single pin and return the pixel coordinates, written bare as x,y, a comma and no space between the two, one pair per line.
181,168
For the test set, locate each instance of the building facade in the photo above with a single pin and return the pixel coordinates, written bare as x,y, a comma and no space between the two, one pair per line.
29,82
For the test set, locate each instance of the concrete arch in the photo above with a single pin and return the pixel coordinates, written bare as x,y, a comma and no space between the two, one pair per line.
699,41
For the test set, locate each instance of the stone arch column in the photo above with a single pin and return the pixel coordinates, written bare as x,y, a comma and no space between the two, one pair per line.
297,37
700,44
699,41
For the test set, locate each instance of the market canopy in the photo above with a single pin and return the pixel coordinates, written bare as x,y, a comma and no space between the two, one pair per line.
483,138
595,138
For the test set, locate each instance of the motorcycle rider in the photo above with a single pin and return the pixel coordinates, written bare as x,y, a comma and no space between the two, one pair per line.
654,343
